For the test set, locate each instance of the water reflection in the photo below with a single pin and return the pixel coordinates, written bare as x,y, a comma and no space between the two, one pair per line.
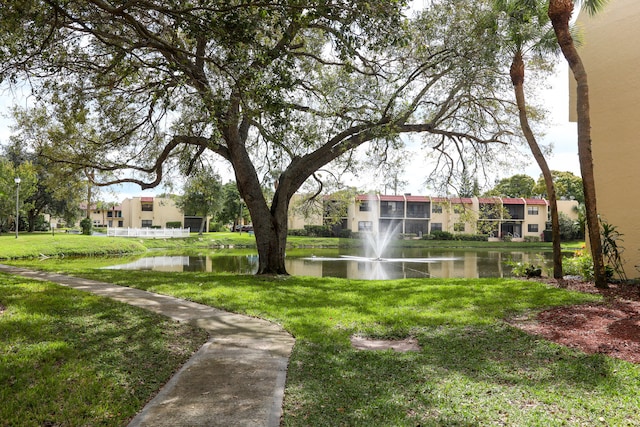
402,263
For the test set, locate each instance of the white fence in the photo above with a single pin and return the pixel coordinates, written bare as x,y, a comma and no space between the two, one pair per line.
148,232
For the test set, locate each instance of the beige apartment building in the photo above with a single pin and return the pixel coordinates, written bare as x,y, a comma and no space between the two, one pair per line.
500,218
611,57
142,212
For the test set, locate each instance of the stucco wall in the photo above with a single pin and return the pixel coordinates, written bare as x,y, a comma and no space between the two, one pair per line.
611,57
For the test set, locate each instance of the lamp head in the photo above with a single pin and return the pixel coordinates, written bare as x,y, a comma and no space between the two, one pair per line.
17,180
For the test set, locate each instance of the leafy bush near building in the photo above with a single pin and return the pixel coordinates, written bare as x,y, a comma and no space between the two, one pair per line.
319,231
86,225
346,233
174,224
217,226
531,239
439,235
445,235
581,264
297,232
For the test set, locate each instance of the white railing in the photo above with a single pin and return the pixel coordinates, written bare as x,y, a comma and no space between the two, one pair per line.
148,232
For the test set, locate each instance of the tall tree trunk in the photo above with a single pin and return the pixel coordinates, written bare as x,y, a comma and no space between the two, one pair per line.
31,219
517,78
269,224
560,13
270,230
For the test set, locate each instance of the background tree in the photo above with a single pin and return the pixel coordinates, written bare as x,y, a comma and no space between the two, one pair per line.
569,229
59,189
202,195
514,186
231,206
265,86
526,29
568,186
28,185
560,12
467,187
489,218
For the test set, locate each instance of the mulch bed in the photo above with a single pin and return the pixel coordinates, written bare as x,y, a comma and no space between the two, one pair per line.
611,327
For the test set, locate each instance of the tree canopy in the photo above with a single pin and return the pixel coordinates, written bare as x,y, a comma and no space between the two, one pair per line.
8,190
568,186
519,185
139,87
203,195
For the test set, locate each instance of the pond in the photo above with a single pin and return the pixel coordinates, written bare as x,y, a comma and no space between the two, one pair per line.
396,264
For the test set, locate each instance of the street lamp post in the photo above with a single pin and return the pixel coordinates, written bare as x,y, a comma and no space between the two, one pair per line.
17,181
240,219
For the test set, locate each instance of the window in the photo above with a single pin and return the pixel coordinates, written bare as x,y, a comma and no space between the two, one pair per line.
436,208
459,227
458,209
532,210
532,228
365,206
147,207
365,226
417,210
436,226
110,223
110,214
147,223
120,223
391,209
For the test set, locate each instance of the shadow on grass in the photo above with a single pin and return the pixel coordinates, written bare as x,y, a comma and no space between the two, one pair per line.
68,355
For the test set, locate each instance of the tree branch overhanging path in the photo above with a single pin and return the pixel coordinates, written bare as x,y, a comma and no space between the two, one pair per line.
142,87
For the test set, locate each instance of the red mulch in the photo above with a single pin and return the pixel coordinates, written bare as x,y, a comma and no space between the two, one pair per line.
611,327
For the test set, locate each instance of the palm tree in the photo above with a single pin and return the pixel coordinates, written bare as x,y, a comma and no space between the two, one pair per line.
527,30
560,12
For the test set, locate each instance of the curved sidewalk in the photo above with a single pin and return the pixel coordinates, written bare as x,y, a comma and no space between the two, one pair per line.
237,378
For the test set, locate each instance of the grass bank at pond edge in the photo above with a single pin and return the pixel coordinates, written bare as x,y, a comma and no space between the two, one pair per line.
36,245
61,245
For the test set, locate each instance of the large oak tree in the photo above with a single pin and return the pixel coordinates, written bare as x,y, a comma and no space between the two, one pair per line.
285,85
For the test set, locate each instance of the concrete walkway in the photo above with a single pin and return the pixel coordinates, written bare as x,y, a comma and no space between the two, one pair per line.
237,378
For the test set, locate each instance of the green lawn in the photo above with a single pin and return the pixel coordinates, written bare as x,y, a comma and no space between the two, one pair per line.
473,369
68,358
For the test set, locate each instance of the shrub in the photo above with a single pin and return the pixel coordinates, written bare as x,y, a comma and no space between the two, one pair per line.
318,230
174,224
580,264
297,232
217,226
86,225
525,269
471,237
346,233
407,235
441,235
531,239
